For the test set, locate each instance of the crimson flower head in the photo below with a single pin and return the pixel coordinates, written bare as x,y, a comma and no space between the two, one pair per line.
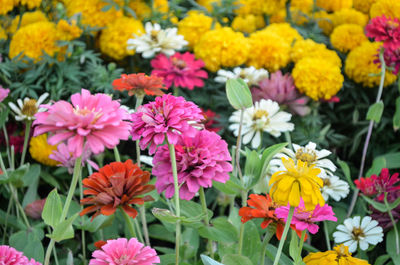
116,185
367,185
165,118
179,70
210,121
392,57
200,159
386,183
384,29
139,84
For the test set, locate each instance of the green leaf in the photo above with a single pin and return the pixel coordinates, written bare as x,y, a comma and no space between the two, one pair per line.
99,222
31,175
396,116
221,230
64,230
379,206
236,259
271,254
167,259
191,209
238,94
251,242
29,242
159,232
252,169
229,187
268,154
394,204
31,179
375,112
190,243
382,259
346,171
208,261
15,176
294,247
391,246
377,165
52,209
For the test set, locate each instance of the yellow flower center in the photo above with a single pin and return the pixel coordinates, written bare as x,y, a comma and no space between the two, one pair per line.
342,252
305,155
358,233
85,111
29,108
326,182
180,64
259,114
154,35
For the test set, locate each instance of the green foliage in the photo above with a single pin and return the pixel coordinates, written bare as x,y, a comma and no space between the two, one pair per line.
238,94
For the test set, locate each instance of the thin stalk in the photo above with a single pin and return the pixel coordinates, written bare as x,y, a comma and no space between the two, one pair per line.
396,232
7,145
177,205
83,239
54,250
205,212
71,191
176,91
26,139
303,236
116,154
142,213
139,100
289,140
369,133
128,220
6,220
137,227
241,233
267,237
239,171
284,234
328,241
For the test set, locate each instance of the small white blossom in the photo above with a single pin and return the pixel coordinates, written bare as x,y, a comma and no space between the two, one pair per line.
250,75
334,188
26,109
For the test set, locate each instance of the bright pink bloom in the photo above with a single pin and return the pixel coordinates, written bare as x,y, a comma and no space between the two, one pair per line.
384,29
11,256
280,88
179,70
392,57
166,116
95,121
67,160
303,219
367,185
210,121
3,93
386,183
123,252
200,159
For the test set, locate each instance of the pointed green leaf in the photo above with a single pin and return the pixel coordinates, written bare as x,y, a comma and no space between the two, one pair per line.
52,209
375,112
64,230
396,116
268,154
346,171
236,259
391,246
377,205
209,261
238,94
377,165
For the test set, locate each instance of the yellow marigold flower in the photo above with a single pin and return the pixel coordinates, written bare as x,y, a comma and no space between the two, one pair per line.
334,5
33,39
268,50
317,78
309,48
360,66
31,4
324,21
7,5
349,16
141,9
389,8
113,39
363,5
194,26
297,181
271,6
338,256
222,48
208,4
40,150
66,31
27,18
278,17
248,23
3,35
285,31
346,37
91,13
161,5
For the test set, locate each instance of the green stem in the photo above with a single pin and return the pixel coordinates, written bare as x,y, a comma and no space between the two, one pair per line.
303,236
175,91
142,210
241,233
284,234
71,191
139,232
239,171
128,220
205,212
7,144
116,154
82,220
396,232
26,139
328,241
177,205
267,237
289,140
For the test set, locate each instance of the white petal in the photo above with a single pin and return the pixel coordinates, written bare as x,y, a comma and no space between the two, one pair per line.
256,140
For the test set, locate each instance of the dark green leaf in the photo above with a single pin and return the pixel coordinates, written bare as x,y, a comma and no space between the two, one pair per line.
346,171
268,154
209,261
375,112
377,165
221,230
396,116
251,242
382,259
379,206
391,246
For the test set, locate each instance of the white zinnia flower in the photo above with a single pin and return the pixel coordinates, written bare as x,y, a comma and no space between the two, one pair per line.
157,40
264,116
308,154
353,233
334,187
27,109
250,75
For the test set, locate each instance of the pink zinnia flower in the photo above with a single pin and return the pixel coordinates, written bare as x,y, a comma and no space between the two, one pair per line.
179,70
123,252
386,183
392,57
303,219
10,256
67,160
3,93
166,116
280,88
200,158
95,121
384,29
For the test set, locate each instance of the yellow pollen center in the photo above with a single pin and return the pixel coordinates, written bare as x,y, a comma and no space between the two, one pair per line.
327,183
341,252
181,64
358,233
29,108
154,35
308,156
259,114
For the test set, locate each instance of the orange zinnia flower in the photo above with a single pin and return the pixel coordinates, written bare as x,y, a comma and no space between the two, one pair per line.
116,184
264,207
140,84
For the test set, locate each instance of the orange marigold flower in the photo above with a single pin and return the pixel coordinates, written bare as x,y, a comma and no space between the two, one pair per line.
264,207
140,84
116,184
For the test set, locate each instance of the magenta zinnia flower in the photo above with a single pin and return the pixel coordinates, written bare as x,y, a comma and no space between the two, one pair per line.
123,252
200,159
386,183
3,93
179,70
10,256
92,121
383,217
166,116
303,219
392,57
280,88
384,29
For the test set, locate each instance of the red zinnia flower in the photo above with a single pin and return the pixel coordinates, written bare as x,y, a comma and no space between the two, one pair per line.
386,183
140,84
366,185
116,184
392,57
264,207
384,29
210,120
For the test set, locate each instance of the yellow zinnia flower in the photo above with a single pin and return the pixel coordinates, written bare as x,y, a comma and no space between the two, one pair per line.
31,4
40,150
285,31
346,37
27,18
194,26
297,181
339,256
